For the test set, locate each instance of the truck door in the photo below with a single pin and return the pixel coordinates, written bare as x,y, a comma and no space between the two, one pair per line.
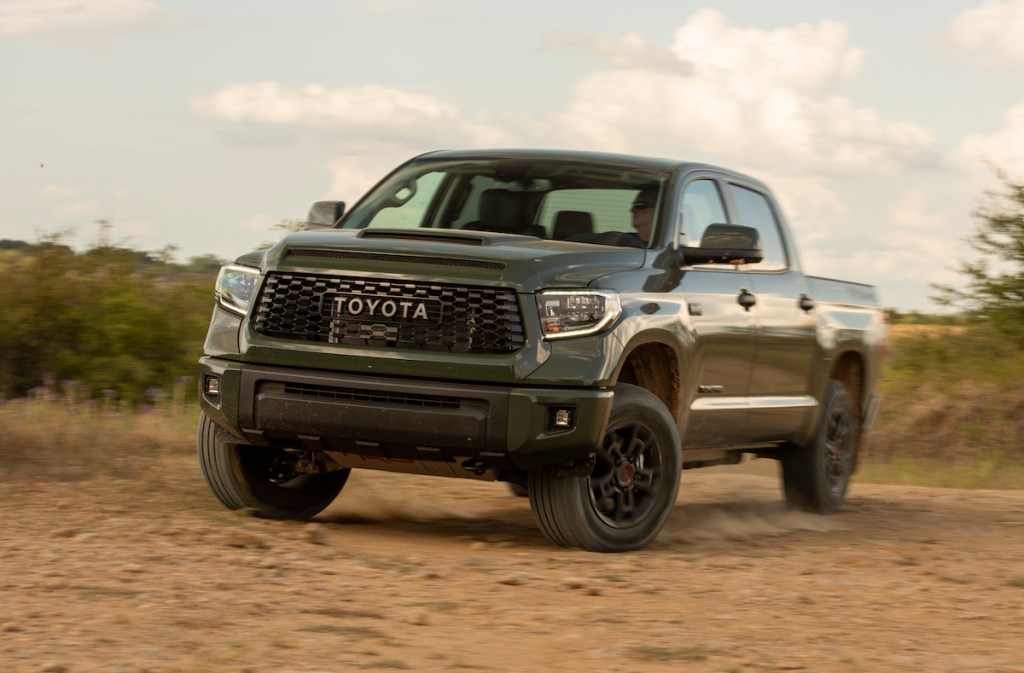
786,350
723,330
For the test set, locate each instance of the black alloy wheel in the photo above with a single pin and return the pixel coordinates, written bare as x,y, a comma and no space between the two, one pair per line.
621,501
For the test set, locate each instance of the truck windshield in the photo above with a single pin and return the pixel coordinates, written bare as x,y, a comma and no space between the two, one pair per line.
546,199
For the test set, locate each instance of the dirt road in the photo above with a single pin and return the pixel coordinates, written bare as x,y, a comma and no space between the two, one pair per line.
422,574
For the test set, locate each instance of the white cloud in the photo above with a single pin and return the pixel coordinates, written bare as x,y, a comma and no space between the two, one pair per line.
758,98
995,28
802,195
903,263
374,127
78,18
913,211
750,96
754,61
353,176
1003,149
905,260
319,107
369,113
632,51
904,244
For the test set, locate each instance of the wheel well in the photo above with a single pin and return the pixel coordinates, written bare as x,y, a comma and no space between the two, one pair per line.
655,368
849,370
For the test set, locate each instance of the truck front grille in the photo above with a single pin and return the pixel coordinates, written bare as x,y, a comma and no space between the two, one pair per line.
389,314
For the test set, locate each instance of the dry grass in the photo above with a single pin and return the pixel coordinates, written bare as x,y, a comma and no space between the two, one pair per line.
985,472
61,440
897,332
962,424
953,408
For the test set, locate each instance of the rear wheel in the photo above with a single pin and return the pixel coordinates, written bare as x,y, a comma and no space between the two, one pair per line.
816,476
627,496
269,480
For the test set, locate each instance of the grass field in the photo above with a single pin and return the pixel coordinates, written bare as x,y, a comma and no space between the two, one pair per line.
67,441
953,413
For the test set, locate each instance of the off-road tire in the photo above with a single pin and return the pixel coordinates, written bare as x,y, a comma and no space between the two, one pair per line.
251,477
815,477
623,503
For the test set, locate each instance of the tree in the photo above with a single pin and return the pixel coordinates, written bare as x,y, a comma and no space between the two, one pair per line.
995,278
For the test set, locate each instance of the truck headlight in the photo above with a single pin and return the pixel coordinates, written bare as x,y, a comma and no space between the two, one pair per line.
235,287
569,313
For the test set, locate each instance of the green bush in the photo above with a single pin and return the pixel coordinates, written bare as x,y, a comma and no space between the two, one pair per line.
109,321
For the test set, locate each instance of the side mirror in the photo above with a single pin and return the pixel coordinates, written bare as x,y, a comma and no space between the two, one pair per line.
724,244
325,214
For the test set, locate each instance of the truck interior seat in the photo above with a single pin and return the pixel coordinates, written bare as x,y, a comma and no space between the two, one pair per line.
502,210
572,223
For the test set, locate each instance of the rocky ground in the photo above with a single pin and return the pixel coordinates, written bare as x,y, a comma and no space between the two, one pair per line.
428,574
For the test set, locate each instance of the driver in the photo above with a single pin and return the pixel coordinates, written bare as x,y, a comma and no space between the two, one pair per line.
642,212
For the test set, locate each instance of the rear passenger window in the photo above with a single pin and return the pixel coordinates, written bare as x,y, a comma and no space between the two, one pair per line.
754,210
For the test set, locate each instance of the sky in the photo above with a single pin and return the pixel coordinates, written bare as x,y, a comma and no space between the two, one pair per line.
880,126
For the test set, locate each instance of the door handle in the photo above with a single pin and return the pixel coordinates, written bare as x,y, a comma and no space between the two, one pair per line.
805,303
746,299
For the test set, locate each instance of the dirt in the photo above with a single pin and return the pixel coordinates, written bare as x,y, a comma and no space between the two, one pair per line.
428,574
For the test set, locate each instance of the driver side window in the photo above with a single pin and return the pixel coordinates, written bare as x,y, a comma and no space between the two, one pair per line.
702,205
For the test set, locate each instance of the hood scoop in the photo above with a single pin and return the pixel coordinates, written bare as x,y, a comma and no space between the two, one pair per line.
455,236
451,236
391,258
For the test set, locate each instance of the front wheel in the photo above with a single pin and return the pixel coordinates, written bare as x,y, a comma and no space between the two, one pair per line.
815,477
265,479
626,498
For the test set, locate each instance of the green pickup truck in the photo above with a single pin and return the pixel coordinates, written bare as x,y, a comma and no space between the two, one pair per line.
583,326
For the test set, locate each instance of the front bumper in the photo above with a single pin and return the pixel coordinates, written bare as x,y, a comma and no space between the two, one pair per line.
388,423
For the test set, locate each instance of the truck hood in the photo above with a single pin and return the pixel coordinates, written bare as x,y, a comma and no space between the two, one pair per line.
524,262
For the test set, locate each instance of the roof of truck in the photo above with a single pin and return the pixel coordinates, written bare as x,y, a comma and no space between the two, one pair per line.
584,156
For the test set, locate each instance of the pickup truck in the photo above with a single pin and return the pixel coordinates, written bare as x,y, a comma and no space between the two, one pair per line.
582,326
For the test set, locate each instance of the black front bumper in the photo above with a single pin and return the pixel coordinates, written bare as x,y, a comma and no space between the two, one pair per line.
402,419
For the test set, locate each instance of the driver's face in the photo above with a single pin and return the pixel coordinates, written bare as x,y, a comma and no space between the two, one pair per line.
643,215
